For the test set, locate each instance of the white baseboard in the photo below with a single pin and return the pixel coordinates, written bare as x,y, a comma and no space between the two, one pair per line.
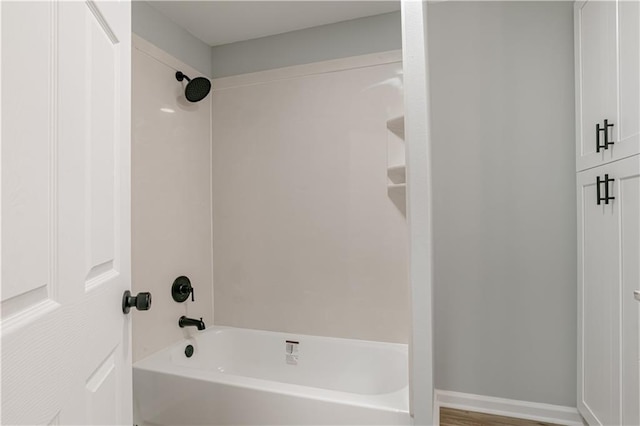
506,407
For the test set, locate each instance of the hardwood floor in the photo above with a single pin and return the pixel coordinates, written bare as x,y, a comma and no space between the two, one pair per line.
452,417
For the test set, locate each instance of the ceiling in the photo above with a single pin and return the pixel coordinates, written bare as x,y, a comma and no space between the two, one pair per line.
222,22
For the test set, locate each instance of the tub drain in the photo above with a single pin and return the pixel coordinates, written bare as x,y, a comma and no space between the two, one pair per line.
188,351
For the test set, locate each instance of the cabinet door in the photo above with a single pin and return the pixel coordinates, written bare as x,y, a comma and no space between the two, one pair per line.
598,350
608,272
627,136
628,192
596,77
607,45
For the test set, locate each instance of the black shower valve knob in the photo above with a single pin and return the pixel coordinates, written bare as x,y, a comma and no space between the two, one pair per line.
181,289
187,290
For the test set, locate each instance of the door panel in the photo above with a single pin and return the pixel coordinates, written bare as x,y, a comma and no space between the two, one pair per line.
607,43
65,144
629,195
101,394
27,204
102,81
609,316
596,75
628,135
598,308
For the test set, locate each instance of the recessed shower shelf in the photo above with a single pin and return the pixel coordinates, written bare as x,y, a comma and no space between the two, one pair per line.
397,174
396,169
396,126
397,193
399,188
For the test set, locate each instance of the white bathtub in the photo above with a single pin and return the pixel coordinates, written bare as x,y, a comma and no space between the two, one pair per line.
246,377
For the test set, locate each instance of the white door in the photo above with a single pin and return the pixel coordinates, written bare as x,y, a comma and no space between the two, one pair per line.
607,43
608,274
66,353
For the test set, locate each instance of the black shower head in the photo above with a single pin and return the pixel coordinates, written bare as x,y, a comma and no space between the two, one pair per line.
197,89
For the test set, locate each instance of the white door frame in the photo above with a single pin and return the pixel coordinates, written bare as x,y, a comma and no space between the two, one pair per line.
418,146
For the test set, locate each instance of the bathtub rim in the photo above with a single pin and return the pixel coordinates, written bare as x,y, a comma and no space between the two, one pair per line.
160,362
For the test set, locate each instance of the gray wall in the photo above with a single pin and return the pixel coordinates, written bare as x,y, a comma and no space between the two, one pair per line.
340,40
156,28
504,199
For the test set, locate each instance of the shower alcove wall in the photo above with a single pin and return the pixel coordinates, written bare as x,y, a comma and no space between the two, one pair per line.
306,237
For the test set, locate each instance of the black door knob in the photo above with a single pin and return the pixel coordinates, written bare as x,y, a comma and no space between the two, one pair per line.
141,302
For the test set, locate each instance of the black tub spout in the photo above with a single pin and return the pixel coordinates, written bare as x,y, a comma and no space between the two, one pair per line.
191,322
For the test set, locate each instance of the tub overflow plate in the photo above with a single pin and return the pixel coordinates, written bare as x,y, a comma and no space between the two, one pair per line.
291,350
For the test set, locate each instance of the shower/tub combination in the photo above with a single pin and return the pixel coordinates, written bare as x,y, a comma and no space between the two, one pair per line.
270,189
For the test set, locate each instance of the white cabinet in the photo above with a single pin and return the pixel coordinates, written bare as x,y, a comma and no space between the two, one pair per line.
607,46
608,275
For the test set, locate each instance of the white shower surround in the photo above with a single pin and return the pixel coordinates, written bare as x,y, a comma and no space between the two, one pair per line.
306,237
171,197
242,377
349,381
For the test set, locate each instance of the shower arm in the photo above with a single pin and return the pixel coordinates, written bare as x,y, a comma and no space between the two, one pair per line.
180,76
